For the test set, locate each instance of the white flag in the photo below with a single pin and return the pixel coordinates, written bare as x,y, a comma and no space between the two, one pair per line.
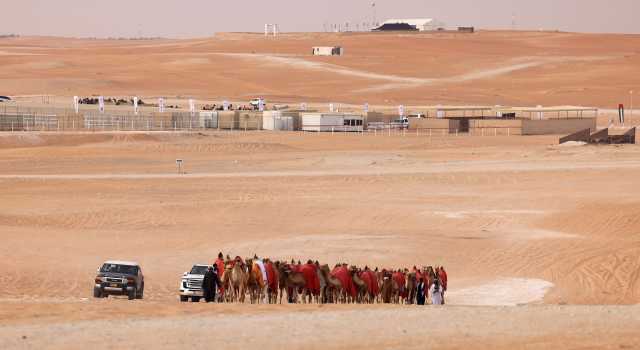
303,106
161,105
401,110
101,104
76,104
192,106
261,105
225,105
366,107
330,107
135,105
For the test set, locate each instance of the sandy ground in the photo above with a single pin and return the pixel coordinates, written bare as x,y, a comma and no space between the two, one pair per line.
486,68
534,236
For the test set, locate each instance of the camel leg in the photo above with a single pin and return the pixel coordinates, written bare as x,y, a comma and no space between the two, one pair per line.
265,294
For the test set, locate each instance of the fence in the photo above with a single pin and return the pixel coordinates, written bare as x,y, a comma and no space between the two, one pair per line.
95,121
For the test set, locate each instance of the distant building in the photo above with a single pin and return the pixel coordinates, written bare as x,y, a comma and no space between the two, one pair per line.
415,24
343,122
328,51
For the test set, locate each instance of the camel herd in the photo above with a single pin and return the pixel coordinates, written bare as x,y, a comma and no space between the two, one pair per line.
266,281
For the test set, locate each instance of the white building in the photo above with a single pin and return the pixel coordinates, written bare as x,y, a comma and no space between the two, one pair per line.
275,120
328,51
421,24
343,122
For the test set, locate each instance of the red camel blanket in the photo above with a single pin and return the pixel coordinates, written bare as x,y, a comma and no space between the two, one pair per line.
309,271
369,277
399,278
342,274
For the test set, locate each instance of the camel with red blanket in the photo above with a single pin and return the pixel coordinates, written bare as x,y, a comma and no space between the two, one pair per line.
292,280
333,286
370,279
273,279
312,283
341,272
401,282
359,285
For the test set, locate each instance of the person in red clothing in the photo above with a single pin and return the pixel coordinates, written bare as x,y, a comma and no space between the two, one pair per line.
220,263
442,275
221,268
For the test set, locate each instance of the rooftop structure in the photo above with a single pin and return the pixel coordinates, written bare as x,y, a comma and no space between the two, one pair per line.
420,24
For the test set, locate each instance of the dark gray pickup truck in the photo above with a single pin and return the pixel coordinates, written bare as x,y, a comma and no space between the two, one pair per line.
119,278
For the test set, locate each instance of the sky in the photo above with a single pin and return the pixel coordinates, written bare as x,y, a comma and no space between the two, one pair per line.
203,18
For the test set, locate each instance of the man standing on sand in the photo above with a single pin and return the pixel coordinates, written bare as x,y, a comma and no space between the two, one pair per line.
209,285
436,292
420,295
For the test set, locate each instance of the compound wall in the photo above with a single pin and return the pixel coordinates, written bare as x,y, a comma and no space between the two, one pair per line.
436,124
557,126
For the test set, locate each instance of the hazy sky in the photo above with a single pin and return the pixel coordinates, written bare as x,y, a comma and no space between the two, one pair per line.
190,18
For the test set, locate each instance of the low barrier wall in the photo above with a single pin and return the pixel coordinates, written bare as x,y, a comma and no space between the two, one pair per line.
557,126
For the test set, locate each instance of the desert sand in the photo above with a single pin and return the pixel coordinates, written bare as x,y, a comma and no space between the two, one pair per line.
487,68
540,241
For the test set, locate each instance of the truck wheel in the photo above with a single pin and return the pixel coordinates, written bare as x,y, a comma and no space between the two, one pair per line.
141,294
132,294
184,298
195,299
97,293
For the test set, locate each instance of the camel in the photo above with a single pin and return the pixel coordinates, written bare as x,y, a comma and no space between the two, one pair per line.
255,284
224,288
386,291
411,288
272,286
292,282
333,288
237,282
323,285
361,286
282,280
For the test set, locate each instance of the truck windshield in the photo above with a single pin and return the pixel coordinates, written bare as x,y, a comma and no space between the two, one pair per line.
116,268
198,270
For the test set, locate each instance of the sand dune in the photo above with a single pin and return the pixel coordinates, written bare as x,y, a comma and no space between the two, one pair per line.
508,68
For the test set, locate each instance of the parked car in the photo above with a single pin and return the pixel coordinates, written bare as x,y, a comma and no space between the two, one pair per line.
255,103
402,123
191,283
119,278
5,98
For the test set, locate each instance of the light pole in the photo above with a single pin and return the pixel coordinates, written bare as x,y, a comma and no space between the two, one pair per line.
631,104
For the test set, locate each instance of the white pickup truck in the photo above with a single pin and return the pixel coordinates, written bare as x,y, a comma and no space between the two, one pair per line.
191,283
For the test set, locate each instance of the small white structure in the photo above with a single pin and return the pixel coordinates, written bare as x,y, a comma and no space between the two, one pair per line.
271,27
421,24
343,122
328,51
274,120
